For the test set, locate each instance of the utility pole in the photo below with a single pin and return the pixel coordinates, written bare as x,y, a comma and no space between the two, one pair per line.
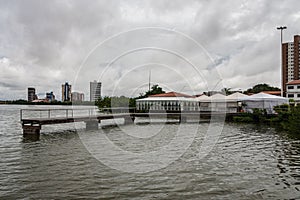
149,80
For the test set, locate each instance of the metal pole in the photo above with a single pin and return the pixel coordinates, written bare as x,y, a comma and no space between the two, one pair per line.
281,74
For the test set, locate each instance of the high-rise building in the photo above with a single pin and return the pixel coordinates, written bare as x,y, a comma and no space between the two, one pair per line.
31,94
95,90
66,92
50,96
77,97
290,62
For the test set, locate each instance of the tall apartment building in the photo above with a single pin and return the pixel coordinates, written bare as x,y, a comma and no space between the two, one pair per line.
77,97
31,94
290,62
66,92
95,90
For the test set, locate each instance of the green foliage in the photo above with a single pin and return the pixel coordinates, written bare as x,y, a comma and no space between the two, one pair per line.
243,119
261,87
155,89
287,118
292,125
227,91
103,102
282,117
113,102
259,115
291,100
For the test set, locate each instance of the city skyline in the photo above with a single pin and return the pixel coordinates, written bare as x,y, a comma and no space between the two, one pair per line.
41,46
66,89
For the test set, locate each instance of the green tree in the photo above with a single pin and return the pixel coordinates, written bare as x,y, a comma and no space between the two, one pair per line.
114,102
293,123
155,89
103,102
262,87
226,91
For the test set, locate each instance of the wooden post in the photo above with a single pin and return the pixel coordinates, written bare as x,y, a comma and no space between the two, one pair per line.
129,119
182,119
91,125
31,131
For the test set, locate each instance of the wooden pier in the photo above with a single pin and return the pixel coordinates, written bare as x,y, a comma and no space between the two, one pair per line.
33,119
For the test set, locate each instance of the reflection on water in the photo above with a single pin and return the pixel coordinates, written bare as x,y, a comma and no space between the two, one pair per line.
248,162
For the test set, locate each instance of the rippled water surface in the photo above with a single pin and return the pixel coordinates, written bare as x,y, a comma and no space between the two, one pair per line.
247,162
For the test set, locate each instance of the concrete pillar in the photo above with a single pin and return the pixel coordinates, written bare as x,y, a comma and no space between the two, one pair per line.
91,125
129,120
182,119
31,131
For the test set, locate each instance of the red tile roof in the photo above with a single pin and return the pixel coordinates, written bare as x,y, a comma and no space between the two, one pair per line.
294,82
170,94
278,93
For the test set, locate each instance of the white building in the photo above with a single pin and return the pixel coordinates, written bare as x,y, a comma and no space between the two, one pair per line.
293,90
95,90
175,102
171,101
263,101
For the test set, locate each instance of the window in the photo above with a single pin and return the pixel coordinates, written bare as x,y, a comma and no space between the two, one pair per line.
290,87
298,86
298,95
290,95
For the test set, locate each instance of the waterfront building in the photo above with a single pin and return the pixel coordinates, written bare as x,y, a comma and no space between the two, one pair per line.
293,90
171,101
77,97
290,62
276,93
263,101
50,96
66,91
31,94
177,102
95,90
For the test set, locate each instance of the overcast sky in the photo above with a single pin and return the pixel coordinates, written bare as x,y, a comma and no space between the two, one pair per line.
188,46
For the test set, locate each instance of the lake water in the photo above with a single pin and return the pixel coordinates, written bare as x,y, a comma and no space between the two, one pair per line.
243,162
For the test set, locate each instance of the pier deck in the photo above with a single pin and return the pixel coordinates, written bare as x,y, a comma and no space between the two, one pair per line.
33,119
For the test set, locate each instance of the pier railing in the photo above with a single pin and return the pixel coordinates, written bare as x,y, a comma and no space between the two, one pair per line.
48,113
57,112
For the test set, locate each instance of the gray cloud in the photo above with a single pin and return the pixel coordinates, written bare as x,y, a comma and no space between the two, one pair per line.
44,43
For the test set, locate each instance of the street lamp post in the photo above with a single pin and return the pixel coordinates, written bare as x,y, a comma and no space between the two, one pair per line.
281,28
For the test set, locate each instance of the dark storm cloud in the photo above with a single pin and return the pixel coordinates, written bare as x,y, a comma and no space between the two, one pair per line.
44,43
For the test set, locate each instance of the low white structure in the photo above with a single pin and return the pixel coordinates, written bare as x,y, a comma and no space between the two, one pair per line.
214,103
234,102
263,101
221,103
170,101
293,90
173,102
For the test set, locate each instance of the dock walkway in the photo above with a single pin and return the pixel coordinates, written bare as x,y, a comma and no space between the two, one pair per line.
33,119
